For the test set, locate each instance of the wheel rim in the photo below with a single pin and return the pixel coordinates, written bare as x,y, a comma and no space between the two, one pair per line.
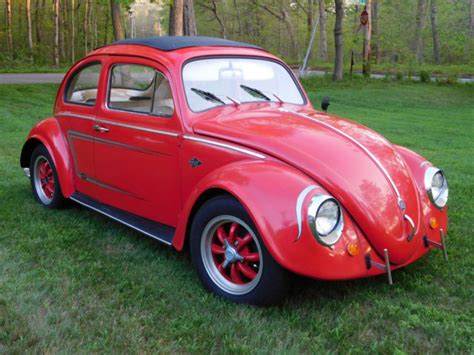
44,179
231,254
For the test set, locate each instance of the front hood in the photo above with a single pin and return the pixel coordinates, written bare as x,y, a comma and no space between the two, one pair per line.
355,164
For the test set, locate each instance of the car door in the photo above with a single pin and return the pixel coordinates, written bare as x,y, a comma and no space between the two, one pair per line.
136,141
76,111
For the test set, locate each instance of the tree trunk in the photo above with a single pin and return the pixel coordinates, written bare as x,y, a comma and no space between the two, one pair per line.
367,38
73,32
189,18
420,26
171,22
434,30
338,41
84,26
28,24
309,23
116,21
470,34
176,18
8,7
239,20
375,30
56,33
291,33
323,41
37,22
62,32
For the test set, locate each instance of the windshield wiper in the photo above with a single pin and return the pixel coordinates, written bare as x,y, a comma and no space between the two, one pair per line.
208,96
255,92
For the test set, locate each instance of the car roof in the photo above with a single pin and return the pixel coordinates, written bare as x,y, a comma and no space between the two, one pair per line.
171,43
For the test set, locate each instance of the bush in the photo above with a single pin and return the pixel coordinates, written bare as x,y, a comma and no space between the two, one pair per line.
425,76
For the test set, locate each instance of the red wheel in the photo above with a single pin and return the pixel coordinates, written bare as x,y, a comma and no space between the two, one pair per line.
231,254
230,257
44,179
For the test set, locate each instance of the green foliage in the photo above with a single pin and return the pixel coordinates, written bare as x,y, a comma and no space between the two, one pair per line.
425,76
72,281
261,22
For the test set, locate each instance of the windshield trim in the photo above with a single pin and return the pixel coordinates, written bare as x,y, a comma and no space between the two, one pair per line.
219,56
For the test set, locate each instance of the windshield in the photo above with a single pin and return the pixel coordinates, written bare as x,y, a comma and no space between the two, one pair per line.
215,82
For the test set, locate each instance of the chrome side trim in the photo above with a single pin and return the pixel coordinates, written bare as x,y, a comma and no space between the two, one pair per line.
425,162
228,146
299,205
121,221
73,115
26,171
89,138
360,145
138,128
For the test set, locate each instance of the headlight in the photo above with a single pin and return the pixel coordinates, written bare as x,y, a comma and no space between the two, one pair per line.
436,186
325,219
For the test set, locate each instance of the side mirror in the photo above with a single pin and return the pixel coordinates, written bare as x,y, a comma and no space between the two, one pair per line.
325,103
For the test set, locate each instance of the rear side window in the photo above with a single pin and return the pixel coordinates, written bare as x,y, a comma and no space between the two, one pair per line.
141,89
82,87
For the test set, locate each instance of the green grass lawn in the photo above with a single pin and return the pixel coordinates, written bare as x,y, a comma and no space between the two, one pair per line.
74,281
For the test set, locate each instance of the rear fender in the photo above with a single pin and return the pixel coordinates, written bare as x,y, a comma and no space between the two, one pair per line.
48,133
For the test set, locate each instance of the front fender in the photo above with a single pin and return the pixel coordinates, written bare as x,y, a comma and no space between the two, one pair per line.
48,133
418,166
269,191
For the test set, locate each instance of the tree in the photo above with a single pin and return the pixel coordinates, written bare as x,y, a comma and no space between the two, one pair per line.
323,41
8,9
56,33
470,33
375,30
212,6
189,19
116,22
338,41
176,18
367,37
73,32
420,26
434,30
28,25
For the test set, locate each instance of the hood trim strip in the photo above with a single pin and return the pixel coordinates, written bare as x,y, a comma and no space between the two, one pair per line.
223,145
356,142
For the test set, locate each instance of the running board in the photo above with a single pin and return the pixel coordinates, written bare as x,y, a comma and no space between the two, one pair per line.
148,227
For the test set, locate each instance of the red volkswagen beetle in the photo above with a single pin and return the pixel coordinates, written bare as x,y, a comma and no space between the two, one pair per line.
214,144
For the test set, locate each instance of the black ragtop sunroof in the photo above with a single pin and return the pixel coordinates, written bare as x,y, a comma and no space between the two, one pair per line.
170,43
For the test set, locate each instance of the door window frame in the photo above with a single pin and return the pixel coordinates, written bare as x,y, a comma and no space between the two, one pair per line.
157,71
73,75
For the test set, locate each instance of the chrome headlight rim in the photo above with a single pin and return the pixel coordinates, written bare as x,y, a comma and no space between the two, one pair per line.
441,200
334,235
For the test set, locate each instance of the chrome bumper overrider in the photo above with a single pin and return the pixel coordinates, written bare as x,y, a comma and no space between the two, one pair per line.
441,245
386,267
26,171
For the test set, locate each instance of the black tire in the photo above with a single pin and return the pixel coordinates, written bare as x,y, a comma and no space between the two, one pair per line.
56,200
269,287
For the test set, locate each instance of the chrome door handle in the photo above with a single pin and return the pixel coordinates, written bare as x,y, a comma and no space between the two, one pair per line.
99,128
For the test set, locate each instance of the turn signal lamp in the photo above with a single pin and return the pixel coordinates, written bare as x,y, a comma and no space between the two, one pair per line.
434,223
353,249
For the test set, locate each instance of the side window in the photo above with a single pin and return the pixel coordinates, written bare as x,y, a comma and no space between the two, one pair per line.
82,87
139,88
